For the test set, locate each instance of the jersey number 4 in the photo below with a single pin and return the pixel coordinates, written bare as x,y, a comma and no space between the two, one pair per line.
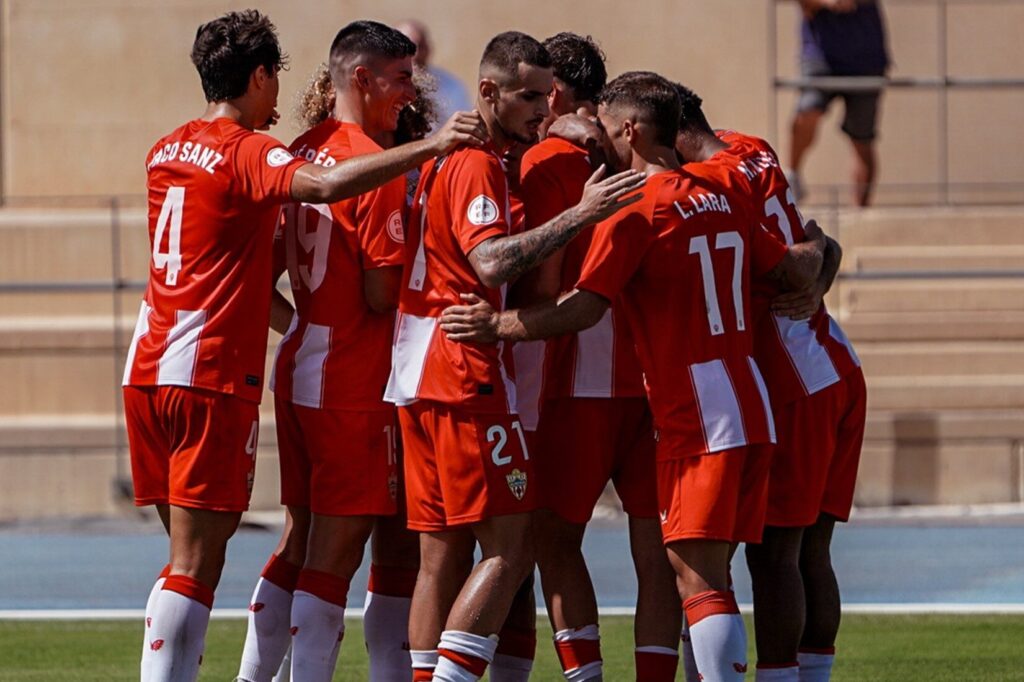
700,247
170,212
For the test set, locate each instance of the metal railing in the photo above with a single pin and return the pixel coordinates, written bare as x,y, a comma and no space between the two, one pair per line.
943,82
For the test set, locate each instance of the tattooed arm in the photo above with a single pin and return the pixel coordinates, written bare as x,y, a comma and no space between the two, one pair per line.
502,259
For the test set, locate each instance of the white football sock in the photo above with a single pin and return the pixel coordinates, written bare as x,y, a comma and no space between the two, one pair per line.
720,647
178,635
789,673
150,606
386,630
463,656
267,638
689,662
318,627
579,650
815,667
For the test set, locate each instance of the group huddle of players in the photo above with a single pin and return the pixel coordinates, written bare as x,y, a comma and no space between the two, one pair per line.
688,359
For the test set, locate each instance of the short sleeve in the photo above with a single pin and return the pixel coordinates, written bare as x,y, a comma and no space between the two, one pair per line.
478,197
618,247
766,251
264,168
381,227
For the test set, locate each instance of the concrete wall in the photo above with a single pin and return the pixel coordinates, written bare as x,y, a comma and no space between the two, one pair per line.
88,85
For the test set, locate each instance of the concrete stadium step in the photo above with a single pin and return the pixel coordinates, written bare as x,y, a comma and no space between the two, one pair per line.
931,295
886,358
73,304
70,244
997,391
69,381
960,472
923,426
74,458
964,325
938,226
933,258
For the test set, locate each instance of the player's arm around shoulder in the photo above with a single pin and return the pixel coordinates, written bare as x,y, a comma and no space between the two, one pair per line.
800,265
502,260
476,321
359,174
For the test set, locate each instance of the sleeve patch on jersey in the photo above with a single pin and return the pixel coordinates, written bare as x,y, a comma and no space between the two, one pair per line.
278,156
395,229
482,210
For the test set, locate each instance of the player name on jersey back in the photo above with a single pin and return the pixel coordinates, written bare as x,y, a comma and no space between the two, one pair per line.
798,357
214,190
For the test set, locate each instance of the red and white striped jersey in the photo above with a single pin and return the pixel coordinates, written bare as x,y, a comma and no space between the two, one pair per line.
337,352
681,259
462,201
599,362
798,357
214,193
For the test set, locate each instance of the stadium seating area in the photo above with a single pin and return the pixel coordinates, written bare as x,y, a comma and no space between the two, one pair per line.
943,353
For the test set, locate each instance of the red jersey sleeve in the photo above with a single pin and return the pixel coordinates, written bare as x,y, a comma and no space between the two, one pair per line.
766,251
478,197
543,195
381,226
619,245
265,168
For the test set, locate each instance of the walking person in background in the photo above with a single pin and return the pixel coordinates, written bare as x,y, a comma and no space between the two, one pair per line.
840,38
451,94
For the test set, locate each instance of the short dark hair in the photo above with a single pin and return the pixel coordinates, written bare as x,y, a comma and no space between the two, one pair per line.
652,96
228,49
371,39
691,116
506,51
578,62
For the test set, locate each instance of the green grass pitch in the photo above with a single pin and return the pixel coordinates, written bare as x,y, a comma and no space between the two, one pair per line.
897,648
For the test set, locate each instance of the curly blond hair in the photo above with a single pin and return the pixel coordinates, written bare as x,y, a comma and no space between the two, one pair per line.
315,102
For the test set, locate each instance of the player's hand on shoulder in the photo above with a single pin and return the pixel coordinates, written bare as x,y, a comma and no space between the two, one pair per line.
602,197
582,131
475,321
464,127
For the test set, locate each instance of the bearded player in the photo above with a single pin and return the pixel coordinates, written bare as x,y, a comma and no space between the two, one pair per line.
468,473
194,372
814,378
595,423
682,259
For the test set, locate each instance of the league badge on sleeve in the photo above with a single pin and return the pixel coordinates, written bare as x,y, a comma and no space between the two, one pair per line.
517,483
482,210
278,156
395,229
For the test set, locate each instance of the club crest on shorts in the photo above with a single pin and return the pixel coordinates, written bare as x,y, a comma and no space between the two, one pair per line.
393,486
517,483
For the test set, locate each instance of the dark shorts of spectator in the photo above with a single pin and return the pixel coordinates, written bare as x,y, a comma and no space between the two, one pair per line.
861,107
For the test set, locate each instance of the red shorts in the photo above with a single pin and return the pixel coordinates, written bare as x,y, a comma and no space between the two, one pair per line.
582,443
814,469
721,496
191,447
337,462
463,467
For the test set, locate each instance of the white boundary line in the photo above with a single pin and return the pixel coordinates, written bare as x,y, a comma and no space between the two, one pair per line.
227,614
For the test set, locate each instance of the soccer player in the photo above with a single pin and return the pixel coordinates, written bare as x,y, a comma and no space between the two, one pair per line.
681,259
595,423
818,396
336,435
468,472
194,371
